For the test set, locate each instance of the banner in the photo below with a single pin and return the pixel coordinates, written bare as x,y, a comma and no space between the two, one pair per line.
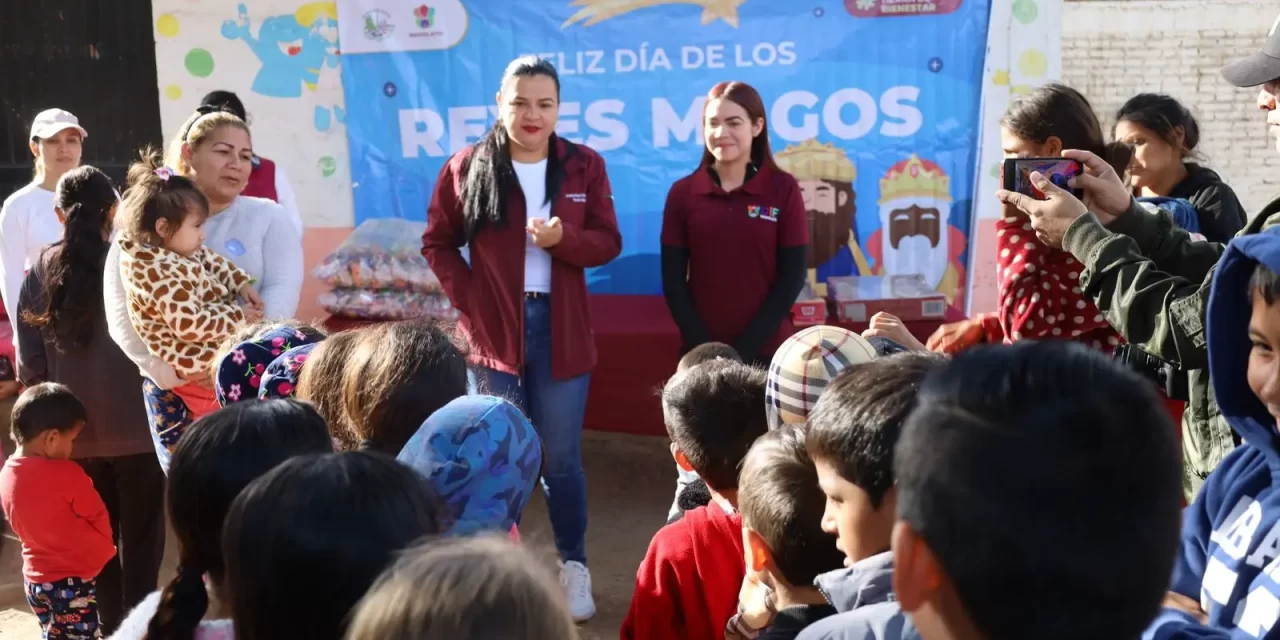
872,104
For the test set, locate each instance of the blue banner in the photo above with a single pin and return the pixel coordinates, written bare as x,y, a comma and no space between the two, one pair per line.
872,104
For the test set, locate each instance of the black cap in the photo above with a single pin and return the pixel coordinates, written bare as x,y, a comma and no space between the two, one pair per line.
1259,68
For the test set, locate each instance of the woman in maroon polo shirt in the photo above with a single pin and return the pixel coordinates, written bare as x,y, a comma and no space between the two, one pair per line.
734,234
535,210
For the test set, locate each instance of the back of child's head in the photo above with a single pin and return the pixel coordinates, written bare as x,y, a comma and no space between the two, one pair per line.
780,500
804,364
1042,483
217,457
397,376
43,407
712,413
706,353
478,587
321,384
304,542
482,457
156,192
856,423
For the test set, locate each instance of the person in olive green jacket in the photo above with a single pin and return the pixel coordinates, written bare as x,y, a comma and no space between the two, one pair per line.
1149,277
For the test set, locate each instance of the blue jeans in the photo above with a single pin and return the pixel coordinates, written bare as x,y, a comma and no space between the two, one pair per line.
556,409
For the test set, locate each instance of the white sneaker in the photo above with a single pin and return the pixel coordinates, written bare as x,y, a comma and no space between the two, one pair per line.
576,580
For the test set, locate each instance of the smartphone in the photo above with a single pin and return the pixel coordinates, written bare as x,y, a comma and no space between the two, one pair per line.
1017,172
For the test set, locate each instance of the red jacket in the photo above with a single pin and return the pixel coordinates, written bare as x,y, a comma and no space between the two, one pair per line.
59,517
490,292
687,586
262,180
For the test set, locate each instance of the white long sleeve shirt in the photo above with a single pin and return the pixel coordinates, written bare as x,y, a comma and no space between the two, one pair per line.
256,235
28,224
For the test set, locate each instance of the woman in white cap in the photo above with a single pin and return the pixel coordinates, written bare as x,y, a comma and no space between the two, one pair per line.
28,222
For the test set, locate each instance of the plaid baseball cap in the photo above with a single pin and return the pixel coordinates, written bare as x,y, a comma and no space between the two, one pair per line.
803,366
1261,67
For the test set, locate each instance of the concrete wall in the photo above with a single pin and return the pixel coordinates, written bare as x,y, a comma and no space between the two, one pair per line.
1113,49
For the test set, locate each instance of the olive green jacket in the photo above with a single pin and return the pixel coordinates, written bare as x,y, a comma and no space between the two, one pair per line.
1151,280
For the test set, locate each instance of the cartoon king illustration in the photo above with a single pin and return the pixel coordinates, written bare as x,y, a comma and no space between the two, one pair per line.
826,177
914,237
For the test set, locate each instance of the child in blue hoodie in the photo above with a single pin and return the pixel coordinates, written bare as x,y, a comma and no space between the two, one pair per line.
483,457
1226,582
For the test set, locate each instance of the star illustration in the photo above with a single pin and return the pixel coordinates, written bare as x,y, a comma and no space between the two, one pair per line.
597,11
935,65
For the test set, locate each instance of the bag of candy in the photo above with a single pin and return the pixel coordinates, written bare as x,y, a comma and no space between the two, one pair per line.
384,253
387,304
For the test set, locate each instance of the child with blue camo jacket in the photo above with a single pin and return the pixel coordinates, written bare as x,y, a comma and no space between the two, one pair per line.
1226,581
482,456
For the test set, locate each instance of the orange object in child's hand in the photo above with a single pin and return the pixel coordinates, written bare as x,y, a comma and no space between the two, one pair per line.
954,337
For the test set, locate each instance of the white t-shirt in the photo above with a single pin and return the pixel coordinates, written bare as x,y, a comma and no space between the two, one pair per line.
28,224
537,262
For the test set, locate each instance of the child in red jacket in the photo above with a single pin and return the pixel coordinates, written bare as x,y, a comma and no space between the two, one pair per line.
687,585
51,504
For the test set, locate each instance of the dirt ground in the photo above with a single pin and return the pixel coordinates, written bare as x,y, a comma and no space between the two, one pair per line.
630,483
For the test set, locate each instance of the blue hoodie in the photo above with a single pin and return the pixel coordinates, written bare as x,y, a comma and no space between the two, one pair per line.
1230,555
483,458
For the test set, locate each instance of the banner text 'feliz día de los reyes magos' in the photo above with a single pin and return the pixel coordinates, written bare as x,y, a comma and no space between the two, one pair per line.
847,113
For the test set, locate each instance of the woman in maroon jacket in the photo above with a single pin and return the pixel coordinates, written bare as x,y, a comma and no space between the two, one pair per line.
534,211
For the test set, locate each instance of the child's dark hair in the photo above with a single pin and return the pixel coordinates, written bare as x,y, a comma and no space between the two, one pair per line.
397,376
1265,283
857,420
156,193
477,587
713,413
706,353
306,541
214,461
779,498
1044,478
43,407
1164,116
1056,110
73,272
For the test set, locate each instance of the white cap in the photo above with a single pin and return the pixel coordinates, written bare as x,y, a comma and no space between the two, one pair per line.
51,121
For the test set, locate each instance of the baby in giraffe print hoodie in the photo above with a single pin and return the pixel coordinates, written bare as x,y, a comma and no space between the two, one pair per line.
184,299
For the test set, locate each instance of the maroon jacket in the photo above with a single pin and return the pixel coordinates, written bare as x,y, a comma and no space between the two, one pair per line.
262,180
490,292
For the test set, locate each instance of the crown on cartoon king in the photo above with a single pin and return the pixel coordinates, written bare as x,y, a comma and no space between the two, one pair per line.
915,178
811,160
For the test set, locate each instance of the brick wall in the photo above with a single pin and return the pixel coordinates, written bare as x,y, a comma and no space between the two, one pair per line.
1113,49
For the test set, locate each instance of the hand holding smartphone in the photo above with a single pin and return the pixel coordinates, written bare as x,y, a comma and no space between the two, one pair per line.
1016,175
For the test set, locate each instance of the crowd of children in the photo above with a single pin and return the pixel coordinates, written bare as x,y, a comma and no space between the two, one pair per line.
359,486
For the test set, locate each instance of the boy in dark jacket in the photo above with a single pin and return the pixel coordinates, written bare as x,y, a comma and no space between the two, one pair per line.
687,585
1037,498
851,435
1225,578
782,534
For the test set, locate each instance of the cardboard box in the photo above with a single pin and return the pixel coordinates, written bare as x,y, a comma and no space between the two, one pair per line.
857,298
810,309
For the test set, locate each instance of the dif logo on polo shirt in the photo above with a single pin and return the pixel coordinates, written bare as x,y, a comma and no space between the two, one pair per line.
764,213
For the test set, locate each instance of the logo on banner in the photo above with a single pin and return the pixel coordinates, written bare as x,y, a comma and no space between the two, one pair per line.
597,11
424,16
886,8
377,25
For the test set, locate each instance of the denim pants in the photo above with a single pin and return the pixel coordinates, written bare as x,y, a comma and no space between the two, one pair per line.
168,418
556,408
